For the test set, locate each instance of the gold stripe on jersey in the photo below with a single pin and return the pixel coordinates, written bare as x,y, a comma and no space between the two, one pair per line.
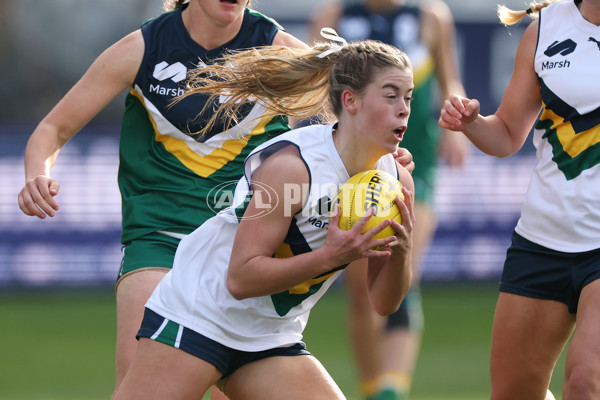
204,165
285,251
573,143
303,288
423,72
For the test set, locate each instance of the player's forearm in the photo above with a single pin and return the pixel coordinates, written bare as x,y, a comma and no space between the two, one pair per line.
263,276
42,150
490,135
389,284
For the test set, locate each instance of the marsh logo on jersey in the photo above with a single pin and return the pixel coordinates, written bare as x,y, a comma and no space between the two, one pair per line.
162,72
323,212
563,48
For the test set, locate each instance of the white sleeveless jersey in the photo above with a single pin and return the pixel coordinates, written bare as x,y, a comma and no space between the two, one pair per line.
562,207
194,293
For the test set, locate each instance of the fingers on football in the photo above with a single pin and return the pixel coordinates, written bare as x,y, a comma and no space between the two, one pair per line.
362,221
383,252
405,211
334,218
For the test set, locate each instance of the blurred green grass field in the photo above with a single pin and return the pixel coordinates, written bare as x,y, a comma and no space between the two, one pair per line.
60,345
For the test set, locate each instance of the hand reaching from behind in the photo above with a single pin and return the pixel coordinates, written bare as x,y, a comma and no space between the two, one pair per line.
405,158
458,112
37,197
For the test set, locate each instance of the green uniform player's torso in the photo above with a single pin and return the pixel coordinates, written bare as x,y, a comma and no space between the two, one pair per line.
166,172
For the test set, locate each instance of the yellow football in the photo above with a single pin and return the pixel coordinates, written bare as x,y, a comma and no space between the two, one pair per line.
367,189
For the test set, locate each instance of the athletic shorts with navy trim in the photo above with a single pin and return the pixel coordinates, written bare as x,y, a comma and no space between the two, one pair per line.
535,271
226,359
152,250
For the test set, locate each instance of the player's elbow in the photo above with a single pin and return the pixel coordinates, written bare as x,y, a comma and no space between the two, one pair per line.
385,311
387,308
237,290
508,151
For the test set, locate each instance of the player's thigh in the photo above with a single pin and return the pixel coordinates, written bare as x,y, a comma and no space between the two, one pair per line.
528,336
160,371
583,357
133,291
282,378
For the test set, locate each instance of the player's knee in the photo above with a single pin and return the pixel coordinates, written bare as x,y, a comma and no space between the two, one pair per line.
581,382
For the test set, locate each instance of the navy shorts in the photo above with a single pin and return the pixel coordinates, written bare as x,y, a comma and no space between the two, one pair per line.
535,271
226,359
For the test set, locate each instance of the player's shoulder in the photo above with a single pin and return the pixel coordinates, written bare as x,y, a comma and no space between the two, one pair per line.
436,10
285,39
259,17
284,165
405,178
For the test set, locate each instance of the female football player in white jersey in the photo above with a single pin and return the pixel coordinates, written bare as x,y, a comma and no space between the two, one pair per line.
549,291
386,350
233,308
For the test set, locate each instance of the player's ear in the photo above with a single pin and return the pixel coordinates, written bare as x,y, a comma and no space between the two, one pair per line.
350,101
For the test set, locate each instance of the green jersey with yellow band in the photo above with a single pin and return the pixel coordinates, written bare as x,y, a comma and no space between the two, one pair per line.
167,171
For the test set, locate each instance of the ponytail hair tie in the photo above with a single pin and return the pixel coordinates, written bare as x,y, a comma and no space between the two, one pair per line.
331,34
529,10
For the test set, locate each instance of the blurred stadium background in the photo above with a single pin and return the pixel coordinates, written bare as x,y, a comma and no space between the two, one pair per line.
57,275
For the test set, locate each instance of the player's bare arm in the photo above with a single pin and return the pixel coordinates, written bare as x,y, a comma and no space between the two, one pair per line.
112,72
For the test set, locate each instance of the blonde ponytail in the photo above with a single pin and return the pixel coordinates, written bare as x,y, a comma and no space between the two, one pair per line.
511,17
300,83
170,5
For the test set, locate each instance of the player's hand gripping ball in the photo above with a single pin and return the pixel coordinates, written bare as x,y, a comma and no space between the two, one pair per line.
368,189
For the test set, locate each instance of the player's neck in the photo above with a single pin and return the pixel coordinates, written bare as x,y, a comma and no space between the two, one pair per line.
355,156
590,11
208,32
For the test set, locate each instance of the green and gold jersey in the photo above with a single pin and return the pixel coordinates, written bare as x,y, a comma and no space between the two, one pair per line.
562,208
166,170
